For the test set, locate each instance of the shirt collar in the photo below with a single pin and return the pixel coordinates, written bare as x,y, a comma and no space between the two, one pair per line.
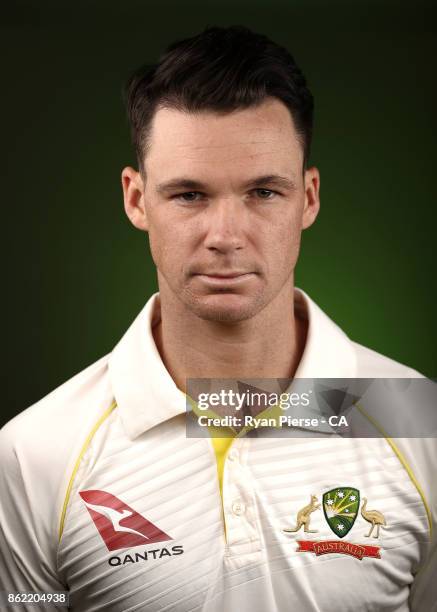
328,352
147,395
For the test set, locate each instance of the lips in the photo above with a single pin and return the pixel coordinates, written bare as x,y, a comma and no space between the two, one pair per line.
230,275
224,281
233,274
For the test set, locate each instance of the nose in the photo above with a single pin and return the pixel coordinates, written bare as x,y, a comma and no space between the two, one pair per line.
226,222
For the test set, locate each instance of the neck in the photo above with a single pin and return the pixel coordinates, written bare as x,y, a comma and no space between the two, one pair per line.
269,345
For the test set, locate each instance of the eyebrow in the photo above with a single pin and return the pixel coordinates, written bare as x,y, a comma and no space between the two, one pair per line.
188,184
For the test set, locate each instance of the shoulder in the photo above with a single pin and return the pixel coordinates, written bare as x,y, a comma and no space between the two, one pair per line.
410,411
38,445
54,420
37,451
371,364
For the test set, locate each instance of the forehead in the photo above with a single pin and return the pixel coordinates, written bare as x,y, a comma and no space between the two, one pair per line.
258,136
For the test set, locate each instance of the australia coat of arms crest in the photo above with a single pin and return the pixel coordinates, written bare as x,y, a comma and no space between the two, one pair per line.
341,507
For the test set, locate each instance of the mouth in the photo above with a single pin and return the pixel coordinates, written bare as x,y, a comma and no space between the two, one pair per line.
224,275
229,278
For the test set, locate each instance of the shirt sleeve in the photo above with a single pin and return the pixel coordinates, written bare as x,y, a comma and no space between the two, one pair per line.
424,590
423,454
27,554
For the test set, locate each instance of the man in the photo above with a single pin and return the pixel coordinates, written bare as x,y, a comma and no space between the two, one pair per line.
104,495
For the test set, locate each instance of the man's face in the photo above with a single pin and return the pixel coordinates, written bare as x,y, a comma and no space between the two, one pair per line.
224,203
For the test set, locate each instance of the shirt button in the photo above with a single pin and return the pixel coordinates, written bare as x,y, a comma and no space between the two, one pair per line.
233,455
238,508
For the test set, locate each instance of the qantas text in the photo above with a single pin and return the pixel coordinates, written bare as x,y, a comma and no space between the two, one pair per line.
155,553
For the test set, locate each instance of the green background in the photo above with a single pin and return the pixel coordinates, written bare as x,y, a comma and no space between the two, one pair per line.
77,272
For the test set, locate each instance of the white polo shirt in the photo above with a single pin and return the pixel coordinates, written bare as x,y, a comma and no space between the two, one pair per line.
103,494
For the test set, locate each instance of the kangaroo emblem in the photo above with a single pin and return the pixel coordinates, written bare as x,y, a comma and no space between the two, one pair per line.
304,516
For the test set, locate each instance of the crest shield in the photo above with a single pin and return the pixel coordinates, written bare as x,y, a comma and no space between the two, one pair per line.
340,507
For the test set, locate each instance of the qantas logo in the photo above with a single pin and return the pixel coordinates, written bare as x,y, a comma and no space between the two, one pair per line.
119,525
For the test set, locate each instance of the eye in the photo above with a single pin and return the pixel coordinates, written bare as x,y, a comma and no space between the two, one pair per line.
188,196
265,194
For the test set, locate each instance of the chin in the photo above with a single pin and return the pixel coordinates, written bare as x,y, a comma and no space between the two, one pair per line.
226,307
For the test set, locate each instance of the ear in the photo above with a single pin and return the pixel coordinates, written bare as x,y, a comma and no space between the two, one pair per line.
312,201
134,199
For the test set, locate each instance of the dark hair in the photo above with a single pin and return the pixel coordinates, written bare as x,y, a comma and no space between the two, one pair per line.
220,70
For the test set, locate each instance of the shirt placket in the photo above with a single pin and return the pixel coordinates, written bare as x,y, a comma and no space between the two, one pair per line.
239,506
